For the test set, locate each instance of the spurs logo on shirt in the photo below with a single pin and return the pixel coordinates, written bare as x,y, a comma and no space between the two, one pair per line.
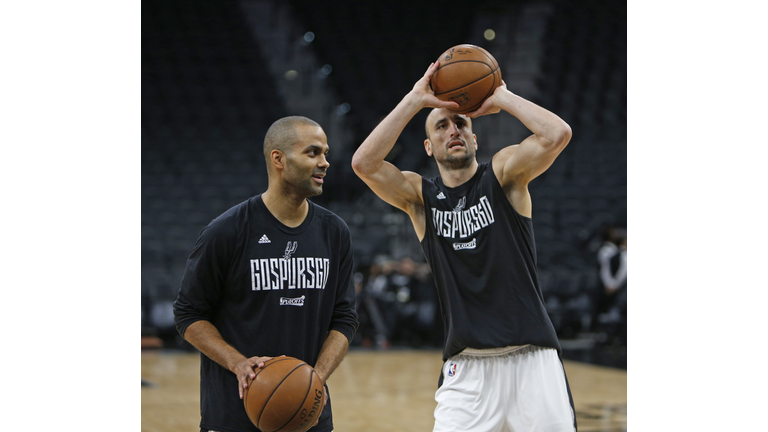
460,206
289,272
290,249
460,223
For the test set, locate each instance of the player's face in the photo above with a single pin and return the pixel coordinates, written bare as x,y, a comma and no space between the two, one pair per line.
451,140
307,162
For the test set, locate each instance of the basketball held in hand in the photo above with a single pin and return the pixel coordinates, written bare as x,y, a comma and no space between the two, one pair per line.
467,75
286,396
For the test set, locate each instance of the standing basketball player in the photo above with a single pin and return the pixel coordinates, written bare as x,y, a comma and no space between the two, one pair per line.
271,276
502,366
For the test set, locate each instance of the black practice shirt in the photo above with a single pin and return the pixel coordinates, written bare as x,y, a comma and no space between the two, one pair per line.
483,259
270,290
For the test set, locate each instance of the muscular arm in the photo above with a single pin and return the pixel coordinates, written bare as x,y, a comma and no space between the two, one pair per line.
398,188
515,166
205,337
388,182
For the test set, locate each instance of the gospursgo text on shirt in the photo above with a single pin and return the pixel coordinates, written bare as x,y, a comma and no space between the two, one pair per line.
292,273
463,222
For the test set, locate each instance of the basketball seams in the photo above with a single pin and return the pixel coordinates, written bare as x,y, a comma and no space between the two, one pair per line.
475,106
268,363
466,56
275,389
301,405
488,56
482,51
470,83
490,92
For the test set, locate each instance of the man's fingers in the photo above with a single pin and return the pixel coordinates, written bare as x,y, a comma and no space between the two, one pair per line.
431,69
449,105
475,113
258,362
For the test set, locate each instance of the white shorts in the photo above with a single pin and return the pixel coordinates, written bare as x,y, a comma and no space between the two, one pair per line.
504,390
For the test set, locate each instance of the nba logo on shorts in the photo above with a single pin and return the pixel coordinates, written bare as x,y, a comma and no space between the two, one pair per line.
452,370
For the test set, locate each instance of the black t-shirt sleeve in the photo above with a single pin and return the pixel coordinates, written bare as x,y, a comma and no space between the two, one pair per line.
205,274
344,318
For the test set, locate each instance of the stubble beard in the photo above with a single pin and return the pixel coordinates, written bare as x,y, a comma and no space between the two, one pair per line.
303,187
460,161
310,189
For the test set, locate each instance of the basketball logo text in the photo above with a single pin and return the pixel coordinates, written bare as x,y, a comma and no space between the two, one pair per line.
461,98
289,272
293,273
287,301
469,245
452,369
462,222
310,416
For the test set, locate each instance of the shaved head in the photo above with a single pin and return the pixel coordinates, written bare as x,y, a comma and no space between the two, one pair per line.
438,113
283,134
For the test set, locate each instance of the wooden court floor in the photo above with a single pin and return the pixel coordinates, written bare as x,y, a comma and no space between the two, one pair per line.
372,391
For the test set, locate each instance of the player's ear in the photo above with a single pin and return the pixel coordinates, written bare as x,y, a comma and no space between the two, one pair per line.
475,138
278,158
428,147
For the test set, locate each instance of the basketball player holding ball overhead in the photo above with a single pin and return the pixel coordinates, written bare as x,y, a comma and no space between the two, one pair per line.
502,368
271,276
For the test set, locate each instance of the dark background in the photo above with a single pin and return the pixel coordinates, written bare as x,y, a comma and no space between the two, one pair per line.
216,74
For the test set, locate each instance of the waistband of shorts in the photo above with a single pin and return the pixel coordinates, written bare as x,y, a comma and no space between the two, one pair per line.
499,352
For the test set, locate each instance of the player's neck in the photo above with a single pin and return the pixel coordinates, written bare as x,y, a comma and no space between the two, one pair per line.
453,177
289,210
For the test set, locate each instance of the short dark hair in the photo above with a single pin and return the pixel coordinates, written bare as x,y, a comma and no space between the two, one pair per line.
283,134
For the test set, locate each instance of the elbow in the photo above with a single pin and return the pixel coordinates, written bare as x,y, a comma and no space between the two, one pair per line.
359,166
557,137
564,135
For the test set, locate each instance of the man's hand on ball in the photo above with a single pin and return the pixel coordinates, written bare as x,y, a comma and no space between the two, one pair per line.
245,371
490,105
424,93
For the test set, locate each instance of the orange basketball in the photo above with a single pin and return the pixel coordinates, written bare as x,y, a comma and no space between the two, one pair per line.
286,396
467,75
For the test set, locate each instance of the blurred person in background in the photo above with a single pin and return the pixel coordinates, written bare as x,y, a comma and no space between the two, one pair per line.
271,276
612,294
373,330
415,303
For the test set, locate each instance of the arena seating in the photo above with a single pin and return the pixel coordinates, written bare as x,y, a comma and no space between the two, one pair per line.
206,103
208,98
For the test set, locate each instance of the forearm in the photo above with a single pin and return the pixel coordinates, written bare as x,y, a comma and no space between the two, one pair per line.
204,336
333,351
550,128
371,153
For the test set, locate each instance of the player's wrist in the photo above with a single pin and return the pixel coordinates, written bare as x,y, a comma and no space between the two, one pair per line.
414,101
322,375
234,361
